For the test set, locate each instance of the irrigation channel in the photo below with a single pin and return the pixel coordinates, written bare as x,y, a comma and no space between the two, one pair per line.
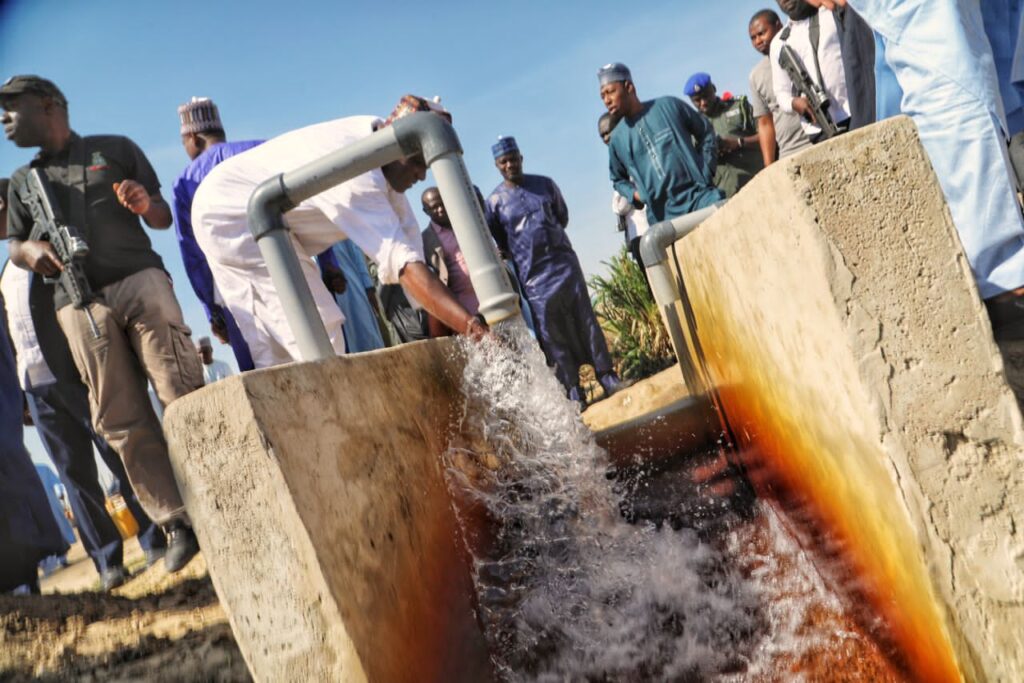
641,562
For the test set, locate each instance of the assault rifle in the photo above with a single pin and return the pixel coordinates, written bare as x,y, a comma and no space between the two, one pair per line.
814,93
69,244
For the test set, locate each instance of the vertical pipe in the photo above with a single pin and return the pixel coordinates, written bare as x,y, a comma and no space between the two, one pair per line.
267,203
498,300
667,291
670,316
283,192
299,307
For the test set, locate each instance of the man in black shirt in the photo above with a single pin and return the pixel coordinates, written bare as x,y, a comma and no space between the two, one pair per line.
102,185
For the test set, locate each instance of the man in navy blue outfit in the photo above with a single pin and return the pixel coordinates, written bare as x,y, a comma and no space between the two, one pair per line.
527,216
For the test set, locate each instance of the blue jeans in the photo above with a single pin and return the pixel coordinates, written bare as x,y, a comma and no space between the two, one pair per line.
61,414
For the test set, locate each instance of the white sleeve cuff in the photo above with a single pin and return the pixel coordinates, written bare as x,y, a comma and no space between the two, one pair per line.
391,258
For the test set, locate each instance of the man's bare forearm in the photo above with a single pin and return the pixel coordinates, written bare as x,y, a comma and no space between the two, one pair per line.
766,135
425,286
159,215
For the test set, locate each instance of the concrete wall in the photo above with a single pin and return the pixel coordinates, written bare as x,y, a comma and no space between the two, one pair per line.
840,322
330,539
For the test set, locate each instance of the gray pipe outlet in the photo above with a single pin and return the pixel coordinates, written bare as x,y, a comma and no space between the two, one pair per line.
656,241
653,252
427,134
443,153
416,133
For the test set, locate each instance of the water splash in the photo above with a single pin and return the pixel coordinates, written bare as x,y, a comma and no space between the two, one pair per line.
567,589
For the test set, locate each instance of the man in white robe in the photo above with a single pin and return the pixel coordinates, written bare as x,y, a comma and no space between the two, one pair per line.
370,209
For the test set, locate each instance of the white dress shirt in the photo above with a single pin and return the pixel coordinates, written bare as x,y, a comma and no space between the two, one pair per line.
32,368
830,57
636,221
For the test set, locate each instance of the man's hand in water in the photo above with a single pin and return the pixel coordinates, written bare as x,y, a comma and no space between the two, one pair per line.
476,328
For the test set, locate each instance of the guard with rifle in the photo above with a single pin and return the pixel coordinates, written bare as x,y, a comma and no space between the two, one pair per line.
807,70
114,300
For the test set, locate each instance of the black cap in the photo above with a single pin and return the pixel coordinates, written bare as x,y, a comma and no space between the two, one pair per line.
16,85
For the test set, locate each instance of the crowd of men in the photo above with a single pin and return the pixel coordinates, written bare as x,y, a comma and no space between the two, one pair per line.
83,357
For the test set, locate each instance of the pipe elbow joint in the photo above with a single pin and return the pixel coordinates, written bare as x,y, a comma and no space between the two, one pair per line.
427,133
655,241
266,205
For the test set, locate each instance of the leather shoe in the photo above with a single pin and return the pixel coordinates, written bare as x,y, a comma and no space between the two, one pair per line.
112,578
182,546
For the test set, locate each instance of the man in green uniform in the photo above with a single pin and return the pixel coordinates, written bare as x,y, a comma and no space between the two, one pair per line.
739,155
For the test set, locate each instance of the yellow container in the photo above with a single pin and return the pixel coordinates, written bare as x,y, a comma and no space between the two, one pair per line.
122,516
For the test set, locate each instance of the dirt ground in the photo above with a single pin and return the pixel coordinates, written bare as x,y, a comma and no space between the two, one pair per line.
157,627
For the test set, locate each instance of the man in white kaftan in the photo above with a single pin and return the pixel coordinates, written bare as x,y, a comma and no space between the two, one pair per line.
370,209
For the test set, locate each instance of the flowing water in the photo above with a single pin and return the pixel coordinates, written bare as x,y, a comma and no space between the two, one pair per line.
570,588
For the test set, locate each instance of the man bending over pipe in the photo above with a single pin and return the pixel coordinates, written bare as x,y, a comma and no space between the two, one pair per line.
370,209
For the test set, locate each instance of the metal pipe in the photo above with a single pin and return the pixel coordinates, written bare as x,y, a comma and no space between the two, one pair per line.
653,252
418,133
656,241
443,153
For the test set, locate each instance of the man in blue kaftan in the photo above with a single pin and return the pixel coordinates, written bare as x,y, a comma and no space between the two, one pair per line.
663,154
202,135
358,301
527,216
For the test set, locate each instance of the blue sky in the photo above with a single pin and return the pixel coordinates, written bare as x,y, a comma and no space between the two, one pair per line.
526,69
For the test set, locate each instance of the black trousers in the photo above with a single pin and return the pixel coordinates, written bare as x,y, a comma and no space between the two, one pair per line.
61,414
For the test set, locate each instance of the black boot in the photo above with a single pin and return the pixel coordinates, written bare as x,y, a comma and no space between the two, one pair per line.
113,577
182,546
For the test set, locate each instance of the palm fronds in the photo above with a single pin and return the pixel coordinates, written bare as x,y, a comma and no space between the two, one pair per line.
639,344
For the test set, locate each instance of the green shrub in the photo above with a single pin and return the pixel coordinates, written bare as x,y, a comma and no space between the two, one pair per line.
638,341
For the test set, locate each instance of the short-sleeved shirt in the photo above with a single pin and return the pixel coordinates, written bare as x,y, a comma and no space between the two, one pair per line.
735,120
118,244
789,134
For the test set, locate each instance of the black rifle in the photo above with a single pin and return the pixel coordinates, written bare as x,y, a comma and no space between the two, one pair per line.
69,244
814,93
